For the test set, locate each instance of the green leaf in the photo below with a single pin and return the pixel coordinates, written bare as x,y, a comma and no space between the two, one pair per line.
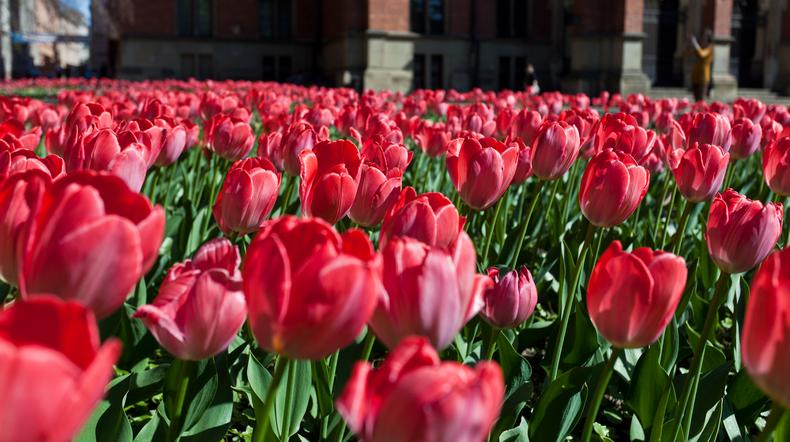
670,345
517,434
108,421
561,405
709,395
517,373
649,383
214,422
259,379
292,398
747,400
154,430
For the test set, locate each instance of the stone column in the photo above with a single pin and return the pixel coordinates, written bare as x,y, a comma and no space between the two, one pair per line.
606,47
717,16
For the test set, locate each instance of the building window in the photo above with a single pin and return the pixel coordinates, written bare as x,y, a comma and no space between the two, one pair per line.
512,73
274,18
427,16
427,71
200,66
195,18
512,18
277,68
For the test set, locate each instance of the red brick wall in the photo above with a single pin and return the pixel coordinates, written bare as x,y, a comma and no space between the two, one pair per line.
457,17
236,19
595,16
717,16
343,16
306,19
388,15
786,24
540,22
634,16
486,19
153,17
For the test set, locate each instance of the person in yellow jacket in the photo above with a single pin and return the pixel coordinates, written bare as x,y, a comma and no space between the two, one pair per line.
701,72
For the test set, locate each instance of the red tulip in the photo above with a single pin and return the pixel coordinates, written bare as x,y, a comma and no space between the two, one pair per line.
20,160
481,170
622,133
430,291
298,138
746,137
429,217
102,151
710,128
53,370
415,397
631,297
554,149
612,187
20,197
91,241
699,173
524,161
433,139
387,156
200,306
309,290
229,138
525,125
247,196
378,191
766,330
511,300
776,166
174,143
329,178
741,232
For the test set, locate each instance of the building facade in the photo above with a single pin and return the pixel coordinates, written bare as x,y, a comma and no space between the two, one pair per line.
587,45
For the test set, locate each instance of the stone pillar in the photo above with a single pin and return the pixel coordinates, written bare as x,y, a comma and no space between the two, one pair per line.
606,47
389,46
717,16
782,83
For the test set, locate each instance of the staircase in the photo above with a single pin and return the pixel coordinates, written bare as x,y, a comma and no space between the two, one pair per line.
765,95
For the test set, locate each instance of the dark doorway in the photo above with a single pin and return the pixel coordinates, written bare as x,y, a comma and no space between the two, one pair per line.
666,74
745,18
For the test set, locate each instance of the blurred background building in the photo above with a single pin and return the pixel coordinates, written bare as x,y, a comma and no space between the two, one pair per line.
575,45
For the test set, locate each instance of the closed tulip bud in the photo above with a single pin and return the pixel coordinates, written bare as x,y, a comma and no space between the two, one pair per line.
776,166
523,163
329,179
91,241
554,149
174,143
430,292
612,187
481,170
699,173
429,217
710,128
20,197
746,137
525,125
741,232
200,306
414,396
378,191
766,329
512,298
270,147
309,290
631,297
54,371
230,138
247,196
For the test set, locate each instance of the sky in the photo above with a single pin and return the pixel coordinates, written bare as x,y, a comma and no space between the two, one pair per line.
84,6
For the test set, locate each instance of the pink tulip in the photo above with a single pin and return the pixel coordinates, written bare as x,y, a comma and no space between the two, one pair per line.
20,198
700,172
776,166
329,176
612,187
512,298
428,217
746,137
710,128
229,138
554,149
247,196
481,170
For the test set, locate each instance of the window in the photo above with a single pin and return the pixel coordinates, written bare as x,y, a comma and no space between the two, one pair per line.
205,66
187,65
195,18
504,73
274,18
512,72
284,68
428,71
512,18
200,66
427,16
269,72
277,68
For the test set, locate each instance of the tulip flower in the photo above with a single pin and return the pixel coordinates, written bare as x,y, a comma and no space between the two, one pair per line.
91,241
429,217
481,170
554,149
776,166
103,151
741,232
699,173
309,290
525,125
511,300
612,187
200,306
329,179
378,191
430,292
746,137
20,198
298,138
229,138
766,329
173,145
710,128
433,139
54,371
631,297
20,160
621,133
387,156
523,163
414,396
247,196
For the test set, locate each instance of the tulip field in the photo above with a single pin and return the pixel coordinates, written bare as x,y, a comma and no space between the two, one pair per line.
247,261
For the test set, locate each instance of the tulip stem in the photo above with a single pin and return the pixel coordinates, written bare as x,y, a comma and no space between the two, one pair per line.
665,189
491,229
669,215
693,375
677,240
777,412
492,333
262,421
600,389
182,373
525,223
567,308
289,189
367,348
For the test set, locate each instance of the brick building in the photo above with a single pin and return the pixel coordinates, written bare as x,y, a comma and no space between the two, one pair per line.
588,45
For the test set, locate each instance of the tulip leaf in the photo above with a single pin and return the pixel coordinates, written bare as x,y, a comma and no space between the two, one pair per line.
517,434
560,407
517,373
649,383
747,400
670,345
214,421
711,389
292,398
108,422
258,377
